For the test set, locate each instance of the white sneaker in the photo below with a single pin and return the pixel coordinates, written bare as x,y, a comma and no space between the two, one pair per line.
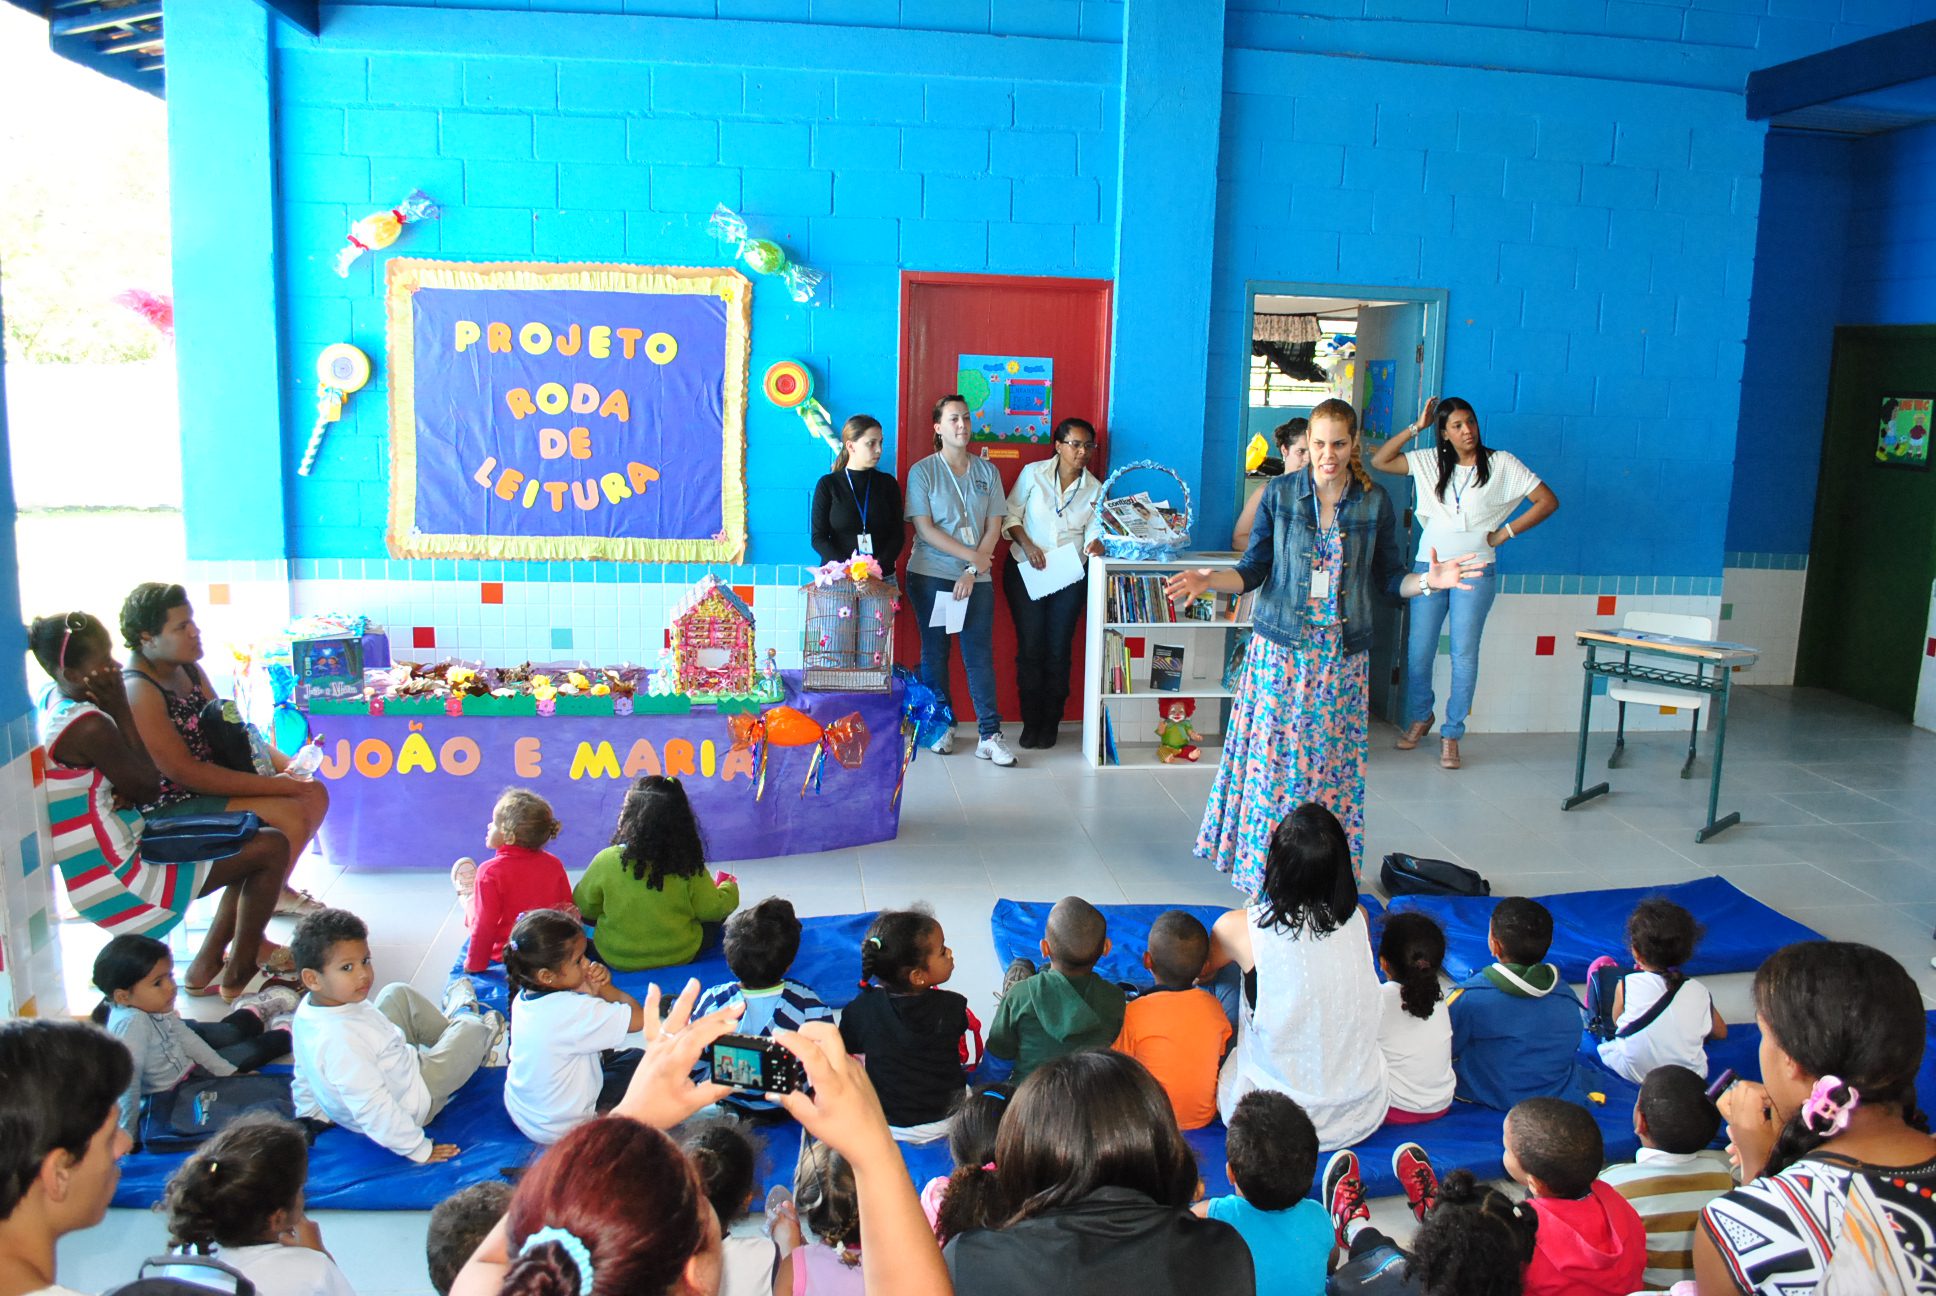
995,748
499,1053
460,996
944,744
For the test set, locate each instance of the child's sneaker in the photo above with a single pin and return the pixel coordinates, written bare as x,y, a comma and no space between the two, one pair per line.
1344,1195
460,996
1416,1177
272,1001
499,1053
1019,970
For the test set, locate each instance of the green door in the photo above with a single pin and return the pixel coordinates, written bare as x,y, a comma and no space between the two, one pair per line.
1874,555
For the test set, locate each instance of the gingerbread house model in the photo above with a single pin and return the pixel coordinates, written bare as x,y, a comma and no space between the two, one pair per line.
712,642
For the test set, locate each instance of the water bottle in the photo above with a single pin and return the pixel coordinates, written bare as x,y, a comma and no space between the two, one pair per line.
307,761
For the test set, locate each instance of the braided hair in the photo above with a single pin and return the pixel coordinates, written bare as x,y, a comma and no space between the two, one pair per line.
828,1199
1842,1009
1342,411
896,945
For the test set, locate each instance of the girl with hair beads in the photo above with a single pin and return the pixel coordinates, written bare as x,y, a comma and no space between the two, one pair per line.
520,877
916,1039
827,1202
239,1198
137,974
1837,1169
568,1021
727,1164
970,1198
648,893
1414,1028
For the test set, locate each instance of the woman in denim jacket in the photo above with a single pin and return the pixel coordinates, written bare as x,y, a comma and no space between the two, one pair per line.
1324,542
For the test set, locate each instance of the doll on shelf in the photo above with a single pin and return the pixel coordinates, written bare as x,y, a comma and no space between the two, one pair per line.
770,674
1176,739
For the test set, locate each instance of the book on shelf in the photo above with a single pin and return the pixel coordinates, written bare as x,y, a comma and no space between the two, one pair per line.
1166,668
1233,660
1139,598
1109,756
1116,663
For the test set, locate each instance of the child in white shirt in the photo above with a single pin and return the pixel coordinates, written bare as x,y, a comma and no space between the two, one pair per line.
568,1023
239,1198
383,1068
1653,1016
1415,1027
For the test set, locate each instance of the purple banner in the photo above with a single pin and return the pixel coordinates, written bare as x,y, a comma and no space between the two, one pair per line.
415,792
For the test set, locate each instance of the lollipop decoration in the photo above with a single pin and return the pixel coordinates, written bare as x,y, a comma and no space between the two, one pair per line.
379,230
789,384
764,256
340,369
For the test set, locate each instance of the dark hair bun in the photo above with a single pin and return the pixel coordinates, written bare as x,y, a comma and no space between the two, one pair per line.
544,1270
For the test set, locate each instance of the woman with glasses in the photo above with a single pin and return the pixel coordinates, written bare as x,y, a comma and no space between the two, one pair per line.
1053,504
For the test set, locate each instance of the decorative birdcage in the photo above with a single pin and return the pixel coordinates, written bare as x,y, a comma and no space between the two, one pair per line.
850,636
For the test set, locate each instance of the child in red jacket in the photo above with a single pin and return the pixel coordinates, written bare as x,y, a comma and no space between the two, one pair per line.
1590,1242
520,877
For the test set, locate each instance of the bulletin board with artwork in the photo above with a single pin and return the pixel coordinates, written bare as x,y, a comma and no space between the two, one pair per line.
1902,434
1010,398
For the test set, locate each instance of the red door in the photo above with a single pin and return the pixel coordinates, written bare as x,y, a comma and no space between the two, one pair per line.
945,317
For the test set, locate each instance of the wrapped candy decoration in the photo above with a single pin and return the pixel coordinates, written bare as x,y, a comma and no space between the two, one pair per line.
786,727
845,740
763,256
379,230
924,718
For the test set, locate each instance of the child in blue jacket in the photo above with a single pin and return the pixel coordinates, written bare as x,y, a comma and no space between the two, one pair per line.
1516,1025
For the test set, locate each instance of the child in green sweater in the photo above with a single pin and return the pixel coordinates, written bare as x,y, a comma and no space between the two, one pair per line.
1064,1006
647,894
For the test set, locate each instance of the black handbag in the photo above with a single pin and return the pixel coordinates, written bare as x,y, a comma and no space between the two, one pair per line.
228,740
203,1105
166,1284
1404,874
189,839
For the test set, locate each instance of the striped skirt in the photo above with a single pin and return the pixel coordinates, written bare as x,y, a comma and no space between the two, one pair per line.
98,851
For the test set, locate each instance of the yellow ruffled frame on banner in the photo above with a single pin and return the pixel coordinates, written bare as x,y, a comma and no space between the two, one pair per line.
406,275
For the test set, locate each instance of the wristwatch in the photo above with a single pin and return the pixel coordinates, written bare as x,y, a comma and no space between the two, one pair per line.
971,569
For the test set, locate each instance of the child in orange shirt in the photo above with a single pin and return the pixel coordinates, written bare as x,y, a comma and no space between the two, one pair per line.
1177,1030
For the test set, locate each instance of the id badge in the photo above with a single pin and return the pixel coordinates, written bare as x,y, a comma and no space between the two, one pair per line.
1321,583
864,544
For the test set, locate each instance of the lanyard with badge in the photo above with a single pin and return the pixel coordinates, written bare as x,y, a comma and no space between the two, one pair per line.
1458,491
864,542
968,533
1320,574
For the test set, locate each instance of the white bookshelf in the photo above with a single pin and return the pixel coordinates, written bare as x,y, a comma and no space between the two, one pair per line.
1133,715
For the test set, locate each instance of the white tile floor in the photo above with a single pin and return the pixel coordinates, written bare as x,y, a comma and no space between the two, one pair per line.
1838,831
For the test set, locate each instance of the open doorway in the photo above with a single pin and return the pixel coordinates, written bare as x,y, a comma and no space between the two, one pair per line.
1383,350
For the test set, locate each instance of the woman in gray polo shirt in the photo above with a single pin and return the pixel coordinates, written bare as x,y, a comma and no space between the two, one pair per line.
956,503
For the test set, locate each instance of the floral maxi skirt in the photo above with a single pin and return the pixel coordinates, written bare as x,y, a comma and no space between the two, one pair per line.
1296,734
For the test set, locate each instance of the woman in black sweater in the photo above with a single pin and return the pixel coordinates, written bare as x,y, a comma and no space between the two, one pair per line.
857,507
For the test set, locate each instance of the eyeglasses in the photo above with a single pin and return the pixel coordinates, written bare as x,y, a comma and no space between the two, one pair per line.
1084,446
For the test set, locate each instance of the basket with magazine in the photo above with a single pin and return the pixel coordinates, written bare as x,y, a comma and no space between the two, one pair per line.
1137,528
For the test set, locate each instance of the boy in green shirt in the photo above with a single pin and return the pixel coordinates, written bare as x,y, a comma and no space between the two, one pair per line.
1065,1006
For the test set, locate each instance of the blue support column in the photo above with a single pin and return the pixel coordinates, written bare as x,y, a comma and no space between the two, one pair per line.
222,185
13,634
1166,205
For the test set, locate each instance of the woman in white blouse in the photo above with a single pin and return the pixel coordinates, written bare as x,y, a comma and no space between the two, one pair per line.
1052,505
1467,494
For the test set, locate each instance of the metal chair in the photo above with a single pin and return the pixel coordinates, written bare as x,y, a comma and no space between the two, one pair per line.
1681,626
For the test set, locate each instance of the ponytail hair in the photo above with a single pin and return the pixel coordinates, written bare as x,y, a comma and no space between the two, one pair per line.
638,1241
1342,411
941,407
123,964
894,947
1413,947
853,430
828,1198
1475,1241
973,1198
226,1193
1842,1009
540,942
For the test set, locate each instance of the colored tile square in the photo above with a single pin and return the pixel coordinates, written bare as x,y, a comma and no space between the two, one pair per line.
491,592
37,759
560,637
1727,611
423,637
1599,686
1929,651
38,932
1445,645
218,595
745,593
1543,646
668,636
1135,646
1670,710
29,854
1605,606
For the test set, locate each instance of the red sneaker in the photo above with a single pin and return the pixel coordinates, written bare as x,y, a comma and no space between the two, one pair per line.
1416,1177
1344,1194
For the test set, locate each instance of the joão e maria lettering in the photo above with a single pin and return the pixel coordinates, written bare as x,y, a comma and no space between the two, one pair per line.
550,400
527,757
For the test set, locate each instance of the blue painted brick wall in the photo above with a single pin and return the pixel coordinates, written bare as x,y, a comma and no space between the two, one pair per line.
1092,20
858,175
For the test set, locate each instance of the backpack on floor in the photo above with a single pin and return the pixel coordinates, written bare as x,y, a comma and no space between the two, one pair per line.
1404,874
164,1284
177,1119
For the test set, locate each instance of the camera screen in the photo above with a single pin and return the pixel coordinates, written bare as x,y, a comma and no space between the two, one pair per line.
743,1068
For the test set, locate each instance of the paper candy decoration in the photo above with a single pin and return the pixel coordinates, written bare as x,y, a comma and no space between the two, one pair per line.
789,385
340,370
763,256
379,230
1256,452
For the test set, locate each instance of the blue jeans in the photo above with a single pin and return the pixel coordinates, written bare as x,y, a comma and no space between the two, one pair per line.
977,646
1468,610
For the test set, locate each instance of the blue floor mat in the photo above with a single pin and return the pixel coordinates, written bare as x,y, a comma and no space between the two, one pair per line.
1741,931
1018,927
828,963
